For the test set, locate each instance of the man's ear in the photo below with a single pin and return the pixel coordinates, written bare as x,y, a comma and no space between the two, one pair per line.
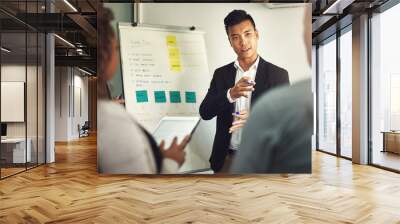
257,34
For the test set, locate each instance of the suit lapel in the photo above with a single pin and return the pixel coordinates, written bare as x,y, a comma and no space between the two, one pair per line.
230,80
261,80
231,76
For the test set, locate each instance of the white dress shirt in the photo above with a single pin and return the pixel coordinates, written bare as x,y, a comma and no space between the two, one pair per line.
241,103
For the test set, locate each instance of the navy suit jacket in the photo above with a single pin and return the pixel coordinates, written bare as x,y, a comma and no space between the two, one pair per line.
216,103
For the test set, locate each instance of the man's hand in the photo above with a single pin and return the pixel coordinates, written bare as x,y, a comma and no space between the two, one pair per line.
242,88
239,121
175,151
119,101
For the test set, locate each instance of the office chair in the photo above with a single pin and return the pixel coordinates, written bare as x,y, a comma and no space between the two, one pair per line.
84,130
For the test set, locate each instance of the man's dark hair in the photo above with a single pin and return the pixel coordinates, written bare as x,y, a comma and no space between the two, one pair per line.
237,16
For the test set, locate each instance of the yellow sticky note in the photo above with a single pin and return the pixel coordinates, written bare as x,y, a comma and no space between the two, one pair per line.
174,59
171,41
176,67
174,53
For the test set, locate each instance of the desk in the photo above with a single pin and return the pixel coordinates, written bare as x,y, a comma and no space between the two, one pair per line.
391,141
13,150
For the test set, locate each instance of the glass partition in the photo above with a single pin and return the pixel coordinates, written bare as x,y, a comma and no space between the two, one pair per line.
14,152
31,100
22,88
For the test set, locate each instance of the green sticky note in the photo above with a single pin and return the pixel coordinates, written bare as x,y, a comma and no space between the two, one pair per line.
160,97
141,96
190,97
175,96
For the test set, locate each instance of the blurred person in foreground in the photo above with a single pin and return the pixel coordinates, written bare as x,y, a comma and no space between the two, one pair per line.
277,136
124,147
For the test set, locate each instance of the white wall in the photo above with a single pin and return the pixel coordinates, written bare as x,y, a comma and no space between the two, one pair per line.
69,81
281,31
61,103
79,117
281,43
11,73
17,73
34,125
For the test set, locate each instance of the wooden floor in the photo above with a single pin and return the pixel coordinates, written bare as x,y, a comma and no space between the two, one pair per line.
70,191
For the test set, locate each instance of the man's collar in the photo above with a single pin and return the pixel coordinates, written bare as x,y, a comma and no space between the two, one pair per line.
253,66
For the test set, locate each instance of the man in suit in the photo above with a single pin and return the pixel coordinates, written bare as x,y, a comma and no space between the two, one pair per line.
287,112
236,86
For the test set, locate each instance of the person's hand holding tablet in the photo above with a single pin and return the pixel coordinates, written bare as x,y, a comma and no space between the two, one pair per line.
175,151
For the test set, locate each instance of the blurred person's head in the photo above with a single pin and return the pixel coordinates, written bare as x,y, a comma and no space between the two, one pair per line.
107,59
242,34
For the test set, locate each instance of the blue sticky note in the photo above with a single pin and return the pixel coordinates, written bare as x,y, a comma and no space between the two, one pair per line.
190,97
160,97
141,96
174,96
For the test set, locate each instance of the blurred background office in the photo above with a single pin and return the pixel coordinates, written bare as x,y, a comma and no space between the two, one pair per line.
48,82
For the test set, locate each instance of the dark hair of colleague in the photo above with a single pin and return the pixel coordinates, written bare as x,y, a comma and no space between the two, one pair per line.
237,16
106,36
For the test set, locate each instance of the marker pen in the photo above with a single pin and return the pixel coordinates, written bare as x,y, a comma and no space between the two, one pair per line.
251,82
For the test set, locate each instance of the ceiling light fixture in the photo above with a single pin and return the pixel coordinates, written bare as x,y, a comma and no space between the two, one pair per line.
70,5
331,7
5,49
84,71
65,41
337,7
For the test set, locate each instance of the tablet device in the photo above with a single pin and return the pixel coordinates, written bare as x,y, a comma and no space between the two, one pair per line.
169,127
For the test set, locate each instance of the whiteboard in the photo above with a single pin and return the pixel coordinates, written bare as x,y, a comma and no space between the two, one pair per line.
164,72
12,101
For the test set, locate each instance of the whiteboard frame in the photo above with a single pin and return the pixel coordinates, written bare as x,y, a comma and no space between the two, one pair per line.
160,27
146,26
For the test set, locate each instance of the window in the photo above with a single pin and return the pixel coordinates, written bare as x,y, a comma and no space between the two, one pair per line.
385,88
346,93
314,90
327,96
